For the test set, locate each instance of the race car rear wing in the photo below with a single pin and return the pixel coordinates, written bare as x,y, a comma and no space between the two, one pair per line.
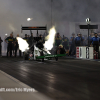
34,28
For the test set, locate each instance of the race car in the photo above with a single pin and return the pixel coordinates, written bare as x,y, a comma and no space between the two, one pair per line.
38,52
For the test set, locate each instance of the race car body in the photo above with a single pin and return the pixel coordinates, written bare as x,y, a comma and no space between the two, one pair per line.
42,54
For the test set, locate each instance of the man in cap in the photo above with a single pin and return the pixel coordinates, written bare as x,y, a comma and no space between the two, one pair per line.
95,42
58,39
9,40
66,44
78,40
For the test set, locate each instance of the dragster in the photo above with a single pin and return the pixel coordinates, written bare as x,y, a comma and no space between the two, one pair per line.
34,53
39,50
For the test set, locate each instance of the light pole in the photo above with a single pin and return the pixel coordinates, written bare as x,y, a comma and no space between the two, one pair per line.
88,21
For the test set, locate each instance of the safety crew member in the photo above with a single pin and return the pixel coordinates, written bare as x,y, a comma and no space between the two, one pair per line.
78,40
17,46
1,46
95,42
66,44
72,45
58,39
9,40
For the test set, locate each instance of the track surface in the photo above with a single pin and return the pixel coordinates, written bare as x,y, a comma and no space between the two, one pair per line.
67,79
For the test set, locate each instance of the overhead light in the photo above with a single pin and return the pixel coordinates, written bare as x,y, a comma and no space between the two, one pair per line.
88,20
28,19
6,34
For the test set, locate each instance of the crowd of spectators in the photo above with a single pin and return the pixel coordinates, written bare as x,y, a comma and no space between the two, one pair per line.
69,44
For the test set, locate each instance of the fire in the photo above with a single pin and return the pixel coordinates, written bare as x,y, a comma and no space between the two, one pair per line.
50,39
23,45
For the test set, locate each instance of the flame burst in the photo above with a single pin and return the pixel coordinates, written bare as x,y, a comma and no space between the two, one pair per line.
48,45
50,39
23,45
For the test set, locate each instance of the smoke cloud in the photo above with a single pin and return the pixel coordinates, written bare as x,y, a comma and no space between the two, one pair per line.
15,12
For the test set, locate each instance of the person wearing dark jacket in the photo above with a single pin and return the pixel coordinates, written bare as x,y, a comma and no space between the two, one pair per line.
78,40
95,42
58,40
66,44
9,40
1,46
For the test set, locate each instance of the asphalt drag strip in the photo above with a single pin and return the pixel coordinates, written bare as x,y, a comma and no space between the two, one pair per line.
65,79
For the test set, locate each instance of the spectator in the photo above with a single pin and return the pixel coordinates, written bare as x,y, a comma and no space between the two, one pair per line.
95,42
66,44
78,40
58,39
9,40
